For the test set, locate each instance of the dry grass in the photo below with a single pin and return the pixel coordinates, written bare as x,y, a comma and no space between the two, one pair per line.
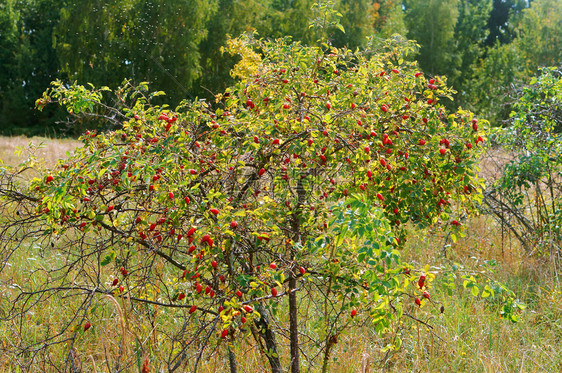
52,150
493,162
469,337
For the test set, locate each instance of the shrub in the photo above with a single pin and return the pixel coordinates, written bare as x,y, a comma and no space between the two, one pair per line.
526,197
295,184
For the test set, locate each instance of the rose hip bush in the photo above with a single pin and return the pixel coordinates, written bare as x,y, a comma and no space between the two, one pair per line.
281,206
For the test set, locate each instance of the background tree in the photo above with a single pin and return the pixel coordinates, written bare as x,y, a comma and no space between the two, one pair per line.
489,89
388,18
146,41
538,42
9,19
470,35
539,36
504,13
289,18
108,41
356,22
29,63
432,24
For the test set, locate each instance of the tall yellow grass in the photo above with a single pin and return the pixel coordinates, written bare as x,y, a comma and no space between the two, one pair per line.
468,337
49,153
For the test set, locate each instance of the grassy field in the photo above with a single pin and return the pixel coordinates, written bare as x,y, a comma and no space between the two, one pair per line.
48,151
469,336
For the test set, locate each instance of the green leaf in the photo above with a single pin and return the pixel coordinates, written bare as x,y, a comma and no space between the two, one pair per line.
486,292
520,305
110,257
